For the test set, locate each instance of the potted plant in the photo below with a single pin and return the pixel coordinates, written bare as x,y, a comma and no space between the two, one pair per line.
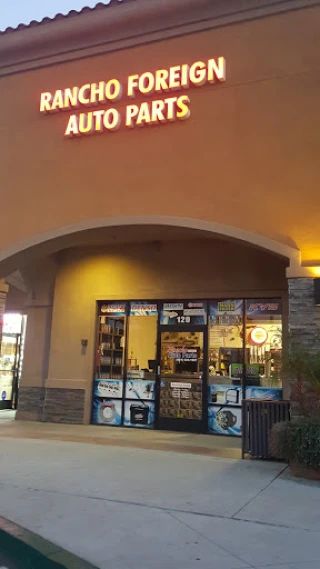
298,441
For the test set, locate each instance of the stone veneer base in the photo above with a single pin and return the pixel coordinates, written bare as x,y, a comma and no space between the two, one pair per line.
51,405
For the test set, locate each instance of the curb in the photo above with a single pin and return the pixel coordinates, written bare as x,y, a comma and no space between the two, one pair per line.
23,549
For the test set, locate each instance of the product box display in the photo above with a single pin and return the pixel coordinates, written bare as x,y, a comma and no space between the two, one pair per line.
224,394
106,411
108,388
225,420
139,414
140,389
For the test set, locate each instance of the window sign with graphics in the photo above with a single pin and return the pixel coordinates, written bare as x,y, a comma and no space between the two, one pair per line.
140,389
225,420
106,411
143,309
108,388
263,337
263,307
139,414
226,341
113,308
185,313
219,394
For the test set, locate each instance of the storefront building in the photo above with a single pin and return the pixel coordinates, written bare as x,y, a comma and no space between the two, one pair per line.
160,245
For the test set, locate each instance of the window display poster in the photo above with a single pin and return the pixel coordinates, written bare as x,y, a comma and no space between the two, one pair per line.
143,309
263,307
106,411
266,393
225,420
108,388
113,308
224,394
226,312
139,414
190,312
140,389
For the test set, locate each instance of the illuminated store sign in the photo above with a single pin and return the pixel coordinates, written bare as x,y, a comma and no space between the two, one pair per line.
259,335
165,108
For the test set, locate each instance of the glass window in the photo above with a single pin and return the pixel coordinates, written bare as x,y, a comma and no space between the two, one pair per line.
139,409
142,341
264,347
226,342
110,362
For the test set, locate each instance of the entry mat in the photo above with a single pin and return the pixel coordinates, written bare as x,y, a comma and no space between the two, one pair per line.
22,549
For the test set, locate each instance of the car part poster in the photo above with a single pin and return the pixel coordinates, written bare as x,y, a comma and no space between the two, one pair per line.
106,411
225,420
139,414
140,389
232,395
224,394
108,388
185,313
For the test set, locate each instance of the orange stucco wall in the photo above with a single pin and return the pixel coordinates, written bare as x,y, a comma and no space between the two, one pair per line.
247,157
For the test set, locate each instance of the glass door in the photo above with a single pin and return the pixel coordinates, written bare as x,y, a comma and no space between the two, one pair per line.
182,384
9,366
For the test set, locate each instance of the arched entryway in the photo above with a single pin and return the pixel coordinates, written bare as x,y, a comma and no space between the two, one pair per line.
65,277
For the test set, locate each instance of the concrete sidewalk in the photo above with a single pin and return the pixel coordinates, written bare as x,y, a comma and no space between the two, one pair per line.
224,447
130,508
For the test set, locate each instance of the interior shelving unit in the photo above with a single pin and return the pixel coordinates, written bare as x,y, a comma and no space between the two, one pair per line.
110,362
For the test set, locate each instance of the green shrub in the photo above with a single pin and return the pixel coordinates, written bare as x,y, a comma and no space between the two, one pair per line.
304,442
297,441
279,441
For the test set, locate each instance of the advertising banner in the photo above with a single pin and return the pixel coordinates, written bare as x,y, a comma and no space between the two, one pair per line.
140,389
226,312
106,411
263,307
224,394
188,313
113,309
143,309
108,388
139,414
267,393
225,420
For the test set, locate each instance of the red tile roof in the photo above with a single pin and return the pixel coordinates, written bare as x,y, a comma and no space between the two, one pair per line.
72,13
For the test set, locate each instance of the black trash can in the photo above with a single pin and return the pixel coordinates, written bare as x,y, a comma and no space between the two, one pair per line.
258,418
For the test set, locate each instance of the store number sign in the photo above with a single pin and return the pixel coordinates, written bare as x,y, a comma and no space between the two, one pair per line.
162,84
188,312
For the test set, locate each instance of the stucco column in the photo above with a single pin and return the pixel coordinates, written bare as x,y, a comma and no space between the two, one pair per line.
3,295
40,279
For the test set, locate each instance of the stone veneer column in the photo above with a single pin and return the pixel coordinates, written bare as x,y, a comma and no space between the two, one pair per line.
304,331
304,315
